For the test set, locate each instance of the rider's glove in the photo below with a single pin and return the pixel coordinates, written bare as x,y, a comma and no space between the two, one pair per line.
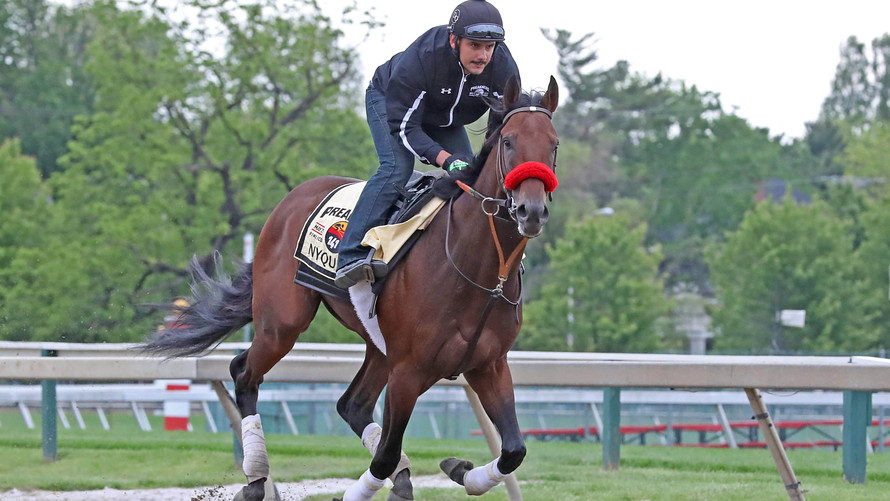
457,162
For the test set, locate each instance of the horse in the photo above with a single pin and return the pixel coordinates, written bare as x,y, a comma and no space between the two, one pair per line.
451,306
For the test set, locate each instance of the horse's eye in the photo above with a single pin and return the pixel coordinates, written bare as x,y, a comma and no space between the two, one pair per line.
507,143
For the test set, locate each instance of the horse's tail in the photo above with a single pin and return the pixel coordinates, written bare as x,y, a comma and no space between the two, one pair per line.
217,308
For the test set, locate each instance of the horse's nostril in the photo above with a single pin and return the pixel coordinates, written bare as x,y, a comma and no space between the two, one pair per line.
521,212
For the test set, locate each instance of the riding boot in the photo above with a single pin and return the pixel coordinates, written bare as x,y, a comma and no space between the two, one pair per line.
355,262
369,269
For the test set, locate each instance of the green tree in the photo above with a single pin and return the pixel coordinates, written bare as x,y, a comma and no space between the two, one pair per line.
693,168
865,157
860,92
859,99
186,151
612,110
43,84
23,203
788,257
601,267
871,266
703,186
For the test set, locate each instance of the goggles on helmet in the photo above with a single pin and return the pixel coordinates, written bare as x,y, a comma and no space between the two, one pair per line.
484,31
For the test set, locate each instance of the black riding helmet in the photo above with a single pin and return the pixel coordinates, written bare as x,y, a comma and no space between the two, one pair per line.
477,20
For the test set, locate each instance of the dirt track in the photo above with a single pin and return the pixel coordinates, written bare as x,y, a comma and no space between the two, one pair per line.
290,491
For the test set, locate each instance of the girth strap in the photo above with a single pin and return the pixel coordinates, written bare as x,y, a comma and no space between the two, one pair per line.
471,347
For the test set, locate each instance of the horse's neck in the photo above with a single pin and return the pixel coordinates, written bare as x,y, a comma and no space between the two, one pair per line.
472,230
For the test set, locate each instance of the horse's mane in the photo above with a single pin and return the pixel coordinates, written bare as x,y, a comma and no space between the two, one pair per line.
445,187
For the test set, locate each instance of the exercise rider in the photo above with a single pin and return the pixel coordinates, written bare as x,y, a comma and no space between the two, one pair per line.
418,103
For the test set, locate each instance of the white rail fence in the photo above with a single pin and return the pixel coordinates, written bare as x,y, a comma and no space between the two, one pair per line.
857,377
142,398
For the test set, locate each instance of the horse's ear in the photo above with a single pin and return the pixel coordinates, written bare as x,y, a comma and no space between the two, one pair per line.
551,97
511,92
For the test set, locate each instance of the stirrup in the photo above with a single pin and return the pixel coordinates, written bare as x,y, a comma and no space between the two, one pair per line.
367,269
374,268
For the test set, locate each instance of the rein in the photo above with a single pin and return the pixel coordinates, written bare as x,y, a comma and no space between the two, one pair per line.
504,265
493,294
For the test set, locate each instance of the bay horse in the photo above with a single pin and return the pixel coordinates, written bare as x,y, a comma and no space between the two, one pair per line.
451,306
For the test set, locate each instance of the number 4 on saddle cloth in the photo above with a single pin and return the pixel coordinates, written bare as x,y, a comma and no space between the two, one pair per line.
318,245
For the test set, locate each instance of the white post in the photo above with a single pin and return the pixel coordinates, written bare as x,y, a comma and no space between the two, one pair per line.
78,416
248,258
26,415
570,336
102,419
598,419
727,428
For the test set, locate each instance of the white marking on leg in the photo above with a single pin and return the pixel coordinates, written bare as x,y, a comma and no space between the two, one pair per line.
363,489
481,479
361,296
371,437
371,440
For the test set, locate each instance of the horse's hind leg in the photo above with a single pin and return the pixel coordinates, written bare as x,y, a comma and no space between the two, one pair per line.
279,318
356,407
494,385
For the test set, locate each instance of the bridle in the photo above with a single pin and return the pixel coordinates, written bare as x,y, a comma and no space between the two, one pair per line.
501,168
491,208
505,264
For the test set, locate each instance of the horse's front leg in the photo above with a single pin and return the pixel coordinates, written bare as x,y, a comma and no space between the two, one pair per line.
401,396
494,385
356,407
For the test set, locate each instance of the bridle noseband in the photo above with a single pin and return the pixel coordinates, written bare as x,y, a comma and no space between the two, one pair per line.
501,165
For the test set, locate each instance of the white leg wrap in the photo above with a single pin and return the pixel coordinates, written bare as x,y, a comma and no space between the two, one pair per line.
364,489
371,437
256,460
371,440
481,479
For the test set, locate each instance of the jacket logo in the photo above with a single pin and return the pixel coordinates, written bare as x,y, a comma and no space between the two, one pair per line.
446,91
479,91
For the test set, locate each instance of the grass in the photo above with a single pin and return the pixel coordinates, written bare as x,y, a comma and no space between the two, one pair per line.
127,458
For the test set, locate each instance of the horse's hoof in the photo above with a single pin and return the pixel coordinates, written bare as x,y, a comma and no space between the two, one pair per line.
254,491
274,493
456,468
402,490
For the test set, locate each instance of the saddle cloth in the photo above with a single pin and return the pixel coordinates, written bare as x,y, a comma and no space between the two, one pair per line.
319,242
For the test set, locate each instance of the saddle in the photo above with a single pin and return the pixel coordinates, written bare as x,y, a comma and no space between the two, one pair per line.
316,249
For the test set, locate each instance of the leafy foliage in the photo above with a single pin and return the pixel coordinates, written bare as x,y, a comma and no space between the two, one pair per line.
43,83
871,268
604,280
860,92
135,137
788,257
185,152
692,168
